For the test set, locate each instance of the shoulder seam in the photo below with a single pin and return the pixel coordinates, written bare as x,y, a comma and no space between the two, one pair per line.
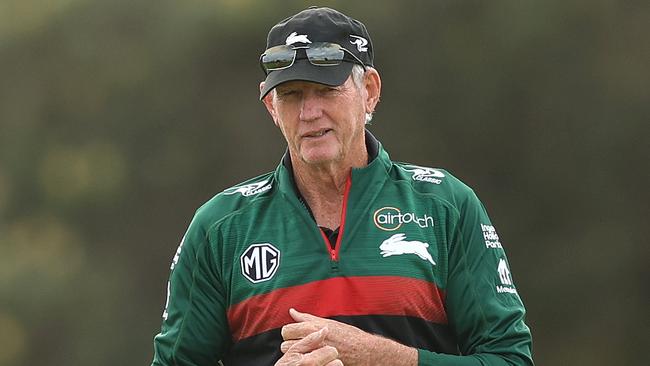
234,212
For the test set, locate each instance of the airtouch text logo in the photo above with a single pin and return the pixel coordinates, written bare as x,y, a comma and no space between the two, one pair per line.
392,218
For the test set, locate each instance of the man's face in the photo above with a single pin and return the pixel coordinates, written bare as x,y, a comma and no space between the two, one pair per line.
322,124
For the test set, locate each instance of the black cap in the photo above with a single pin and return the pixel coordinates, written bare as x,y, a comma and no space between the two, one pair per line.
316,24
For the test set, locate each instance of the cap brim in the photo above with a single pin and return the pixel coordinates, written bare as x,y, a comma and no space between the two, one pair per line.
305,71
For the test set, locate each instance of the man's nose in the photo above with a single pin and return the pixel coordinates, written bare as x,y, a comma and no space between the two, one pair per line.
311,108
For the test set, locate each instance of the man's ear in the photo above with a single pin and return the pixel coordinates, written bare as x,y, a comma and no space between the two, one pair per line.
372,83
268,103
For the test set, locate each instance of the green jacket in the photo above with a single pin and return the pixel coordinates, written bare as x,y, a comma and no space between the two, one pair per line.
416,259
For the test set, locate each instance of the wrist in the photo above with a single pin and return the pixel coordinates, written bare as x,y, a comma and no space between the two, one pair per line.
386,352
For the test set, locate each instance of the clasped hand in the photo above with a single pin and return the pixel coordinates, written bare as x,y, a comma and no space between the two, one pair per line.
315,341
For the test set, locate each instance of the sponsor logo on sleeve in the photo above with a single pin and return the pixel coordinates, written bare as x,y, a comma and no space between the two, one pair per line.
177,256
423,174
392,218
249,189
505,278
178,253
398,245
490,236
260,262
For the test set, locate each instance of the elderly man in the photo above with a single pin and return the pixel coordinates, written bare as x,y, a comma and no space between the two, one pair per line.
339,256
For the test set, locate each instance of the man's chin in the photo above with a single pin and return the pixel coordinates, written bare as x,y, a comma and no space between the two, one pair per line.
319,157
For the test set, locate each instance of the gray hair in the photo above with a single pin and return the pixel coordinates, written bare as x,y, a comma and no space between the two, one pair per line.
358,73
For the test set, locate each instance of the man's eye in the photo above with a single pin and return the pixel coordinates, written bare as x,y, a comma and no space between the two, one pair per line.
287,93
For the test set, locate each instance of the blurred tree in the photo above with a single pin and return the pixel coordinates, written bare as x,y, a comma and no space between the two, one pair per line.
119,118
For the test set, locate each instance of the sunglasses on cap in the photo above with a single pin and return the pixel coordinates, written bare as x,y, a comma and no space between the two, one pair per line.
318,53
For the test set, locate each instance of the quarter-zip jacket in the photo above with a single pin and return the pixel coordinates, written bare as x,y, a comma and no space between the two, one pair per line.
416,260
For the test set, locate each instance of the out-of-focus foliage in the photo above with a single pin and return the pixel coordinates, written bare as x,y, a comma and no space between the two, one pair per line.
119,118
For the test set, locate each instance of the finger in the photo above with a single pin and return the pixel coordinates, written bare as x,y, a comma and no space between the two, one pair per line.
299,330
302,317
284,347
336,362
292,359
321,356
309,343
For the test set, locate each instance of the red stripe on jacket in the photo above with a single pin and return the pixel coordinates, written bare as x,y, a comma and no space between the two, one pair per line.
341,296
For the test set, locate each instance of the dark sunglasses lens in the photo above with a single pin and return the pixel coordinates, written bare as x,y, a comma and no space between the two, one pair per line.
277,58
325,55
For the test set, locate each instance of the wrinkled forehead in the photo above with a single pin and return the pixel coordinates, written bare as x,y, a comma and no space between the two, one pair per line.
303,84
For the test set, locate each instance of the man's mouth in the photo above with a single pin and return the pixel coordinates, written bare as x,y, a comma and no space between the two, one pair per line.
318,133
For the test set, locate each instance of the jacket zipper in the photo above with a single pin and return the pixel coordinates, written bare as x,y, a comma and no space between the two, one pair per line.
334,252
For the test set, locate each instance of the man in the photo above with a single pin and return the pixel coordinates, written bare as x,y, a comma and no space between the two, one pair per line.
339,256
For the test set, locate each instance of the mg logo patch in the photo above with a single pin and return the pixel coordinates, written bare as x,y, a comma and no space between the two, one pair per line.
260,262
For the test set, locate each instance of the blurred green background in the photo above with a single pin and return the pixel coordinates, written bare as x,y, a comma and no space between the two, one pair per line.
119,118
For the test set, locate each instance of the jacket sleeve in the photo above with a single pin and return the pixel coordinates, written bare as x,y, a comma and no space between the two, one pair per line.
194,330
483,306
